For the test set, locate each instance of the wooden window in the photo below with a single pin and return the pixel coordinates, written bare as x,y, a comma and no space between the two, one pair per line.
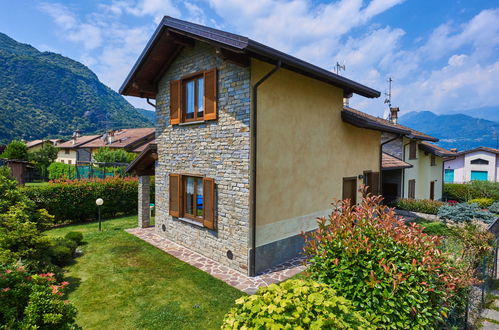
194,97
412,189
66,151
433,160
371,181
193,198
69,161
412,149
432,190
350,189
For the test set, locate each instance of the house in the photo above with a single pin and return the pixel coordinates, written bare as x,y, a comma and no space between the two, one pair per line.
36,145
72,151
252,144
127,139
481,164
412,167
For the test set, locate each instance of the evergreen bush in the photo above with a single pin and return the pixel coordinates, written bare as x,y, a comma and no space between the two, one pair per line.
464,212
494,208
75,236
482,202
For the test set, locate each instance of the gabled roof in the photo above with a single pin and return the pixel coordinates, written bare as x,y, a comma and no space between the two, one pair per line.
76,143
486,149
364,120
34,143
124,138
435,150
144,164
172,35
142,147
389,162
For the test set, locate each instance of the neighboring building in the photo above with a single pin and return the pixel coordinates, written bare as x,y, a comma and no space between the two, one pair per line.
411,166
143,147
36,145
480,164
232,191
72,151
127,139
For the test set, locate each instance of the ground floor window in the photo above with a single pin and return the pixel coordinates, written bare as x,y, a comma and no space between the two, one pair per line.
479,175
371,181
449,176
193,198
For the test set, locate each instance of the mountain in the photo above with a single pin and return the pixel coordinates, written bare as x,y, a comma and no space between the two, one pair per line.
149,114
45,95
454,130
489,113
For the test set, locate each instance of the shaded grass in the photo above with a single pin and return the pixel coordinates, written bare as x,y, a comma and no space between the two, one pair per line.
121,282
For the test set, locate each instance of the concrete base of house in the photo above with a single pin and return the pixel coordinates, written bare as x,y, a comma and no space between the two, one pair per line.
278,252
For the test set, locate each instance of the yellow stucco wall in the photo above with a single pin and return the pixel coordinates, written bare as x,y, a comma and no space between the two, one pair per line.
423,173
304,152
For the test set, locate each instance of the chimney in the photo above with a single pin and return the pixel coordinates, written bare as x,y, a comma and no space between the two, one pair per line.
453,150
110,137
76,135
394,115
346,98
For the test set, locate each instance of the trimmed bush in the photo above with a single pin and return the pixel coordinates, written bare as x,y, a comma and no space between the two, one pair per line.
61,171
494,208
294,304
393,272
419,205
75,236
464,212
475,189
62,251
482,202
74,201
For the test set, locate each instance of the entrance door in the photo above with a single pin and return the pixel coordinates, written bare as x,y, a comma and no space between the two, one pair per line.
432,190
350,189
449,176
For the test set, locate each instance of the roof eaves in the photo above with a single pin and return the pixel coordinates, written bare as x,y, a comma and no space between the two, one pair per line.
363,122
416,136
150,147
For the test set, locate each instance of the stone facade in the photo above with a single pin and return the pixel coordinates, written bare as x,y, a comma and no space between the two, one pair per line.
218,149
144,216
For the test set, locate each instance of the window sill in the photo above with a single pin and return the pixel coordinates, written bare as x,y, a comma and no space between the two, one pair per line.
192,123
192,222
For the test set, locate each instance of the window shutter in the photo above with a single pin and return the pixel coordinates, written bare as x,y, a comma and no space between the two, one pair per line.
175,194
375,183
209,203
175,101
210,94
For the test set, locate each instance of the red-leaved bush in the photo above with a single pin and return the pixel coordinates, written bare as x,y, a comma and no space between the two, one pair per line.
394,272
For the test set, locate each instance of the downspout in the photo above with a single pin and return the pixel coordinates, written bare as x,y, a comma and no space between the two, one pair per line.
150,103
253,122
381,161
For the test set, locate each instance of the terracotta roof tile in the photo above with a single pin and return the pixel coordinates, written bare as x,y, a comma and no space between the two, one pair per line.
487,149
33,143
141,148
436,150
123,138
78,142
389,162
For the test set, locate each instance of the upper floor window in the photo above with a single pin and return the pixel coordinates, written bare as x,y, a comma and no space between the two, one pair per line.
433,160
479,161
194,97
412,149
66,151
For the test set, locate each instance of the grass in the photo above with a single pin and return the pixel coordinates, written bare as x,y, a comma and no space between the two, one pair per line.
35,184
121,282
438,228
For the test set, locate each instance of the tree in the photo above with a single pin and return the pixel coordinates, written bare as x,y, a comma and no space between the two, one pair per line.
107,155
44,157
15,150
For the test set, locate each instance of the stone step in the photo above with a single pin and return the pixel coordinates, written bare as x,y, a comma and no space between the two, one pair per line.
486,325
491,314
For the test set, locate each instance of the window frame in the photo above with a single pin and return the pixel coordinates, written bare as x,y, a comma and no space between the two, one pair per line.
67,151
411,189
183,212
183,107
433,160
413,147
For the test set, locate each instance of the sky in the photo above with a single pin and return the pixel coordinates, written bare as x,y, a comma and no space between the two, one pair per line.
443,55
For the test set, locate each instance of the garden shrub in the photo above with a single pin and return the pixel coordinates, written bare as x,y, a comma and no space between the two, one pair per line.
294,304
482,202
75,236
471,190
62,251
494,208
33,302
58,170
419,205
465,212
437,228
393,272
74,201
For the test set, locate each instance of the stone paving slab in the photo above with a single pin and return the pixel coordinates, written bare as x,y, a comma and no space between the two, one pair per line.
491,314
232,277
486,325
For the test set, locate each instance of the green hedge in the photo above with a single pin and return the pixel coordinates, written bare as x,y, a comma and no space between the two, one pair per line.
419,205
61,170
74,201
475,189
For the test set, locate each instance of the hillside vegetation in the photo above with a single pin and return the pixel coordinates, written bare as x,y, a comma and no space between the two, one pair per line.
43,94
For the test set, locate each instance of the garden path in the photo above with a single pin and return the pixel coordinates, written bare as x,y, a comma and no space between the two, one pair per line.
234,278
491,313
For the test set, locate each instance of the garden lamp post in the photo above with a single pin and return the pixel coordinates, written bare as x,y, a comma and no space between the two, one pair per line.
99,202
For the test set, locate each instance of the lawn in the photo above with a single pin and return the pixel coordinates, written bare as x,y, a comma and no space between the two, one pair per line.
121,282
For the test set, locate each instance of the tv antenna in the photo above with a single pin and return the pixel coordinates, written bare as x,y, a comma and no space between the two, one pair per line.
388,95
340,67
